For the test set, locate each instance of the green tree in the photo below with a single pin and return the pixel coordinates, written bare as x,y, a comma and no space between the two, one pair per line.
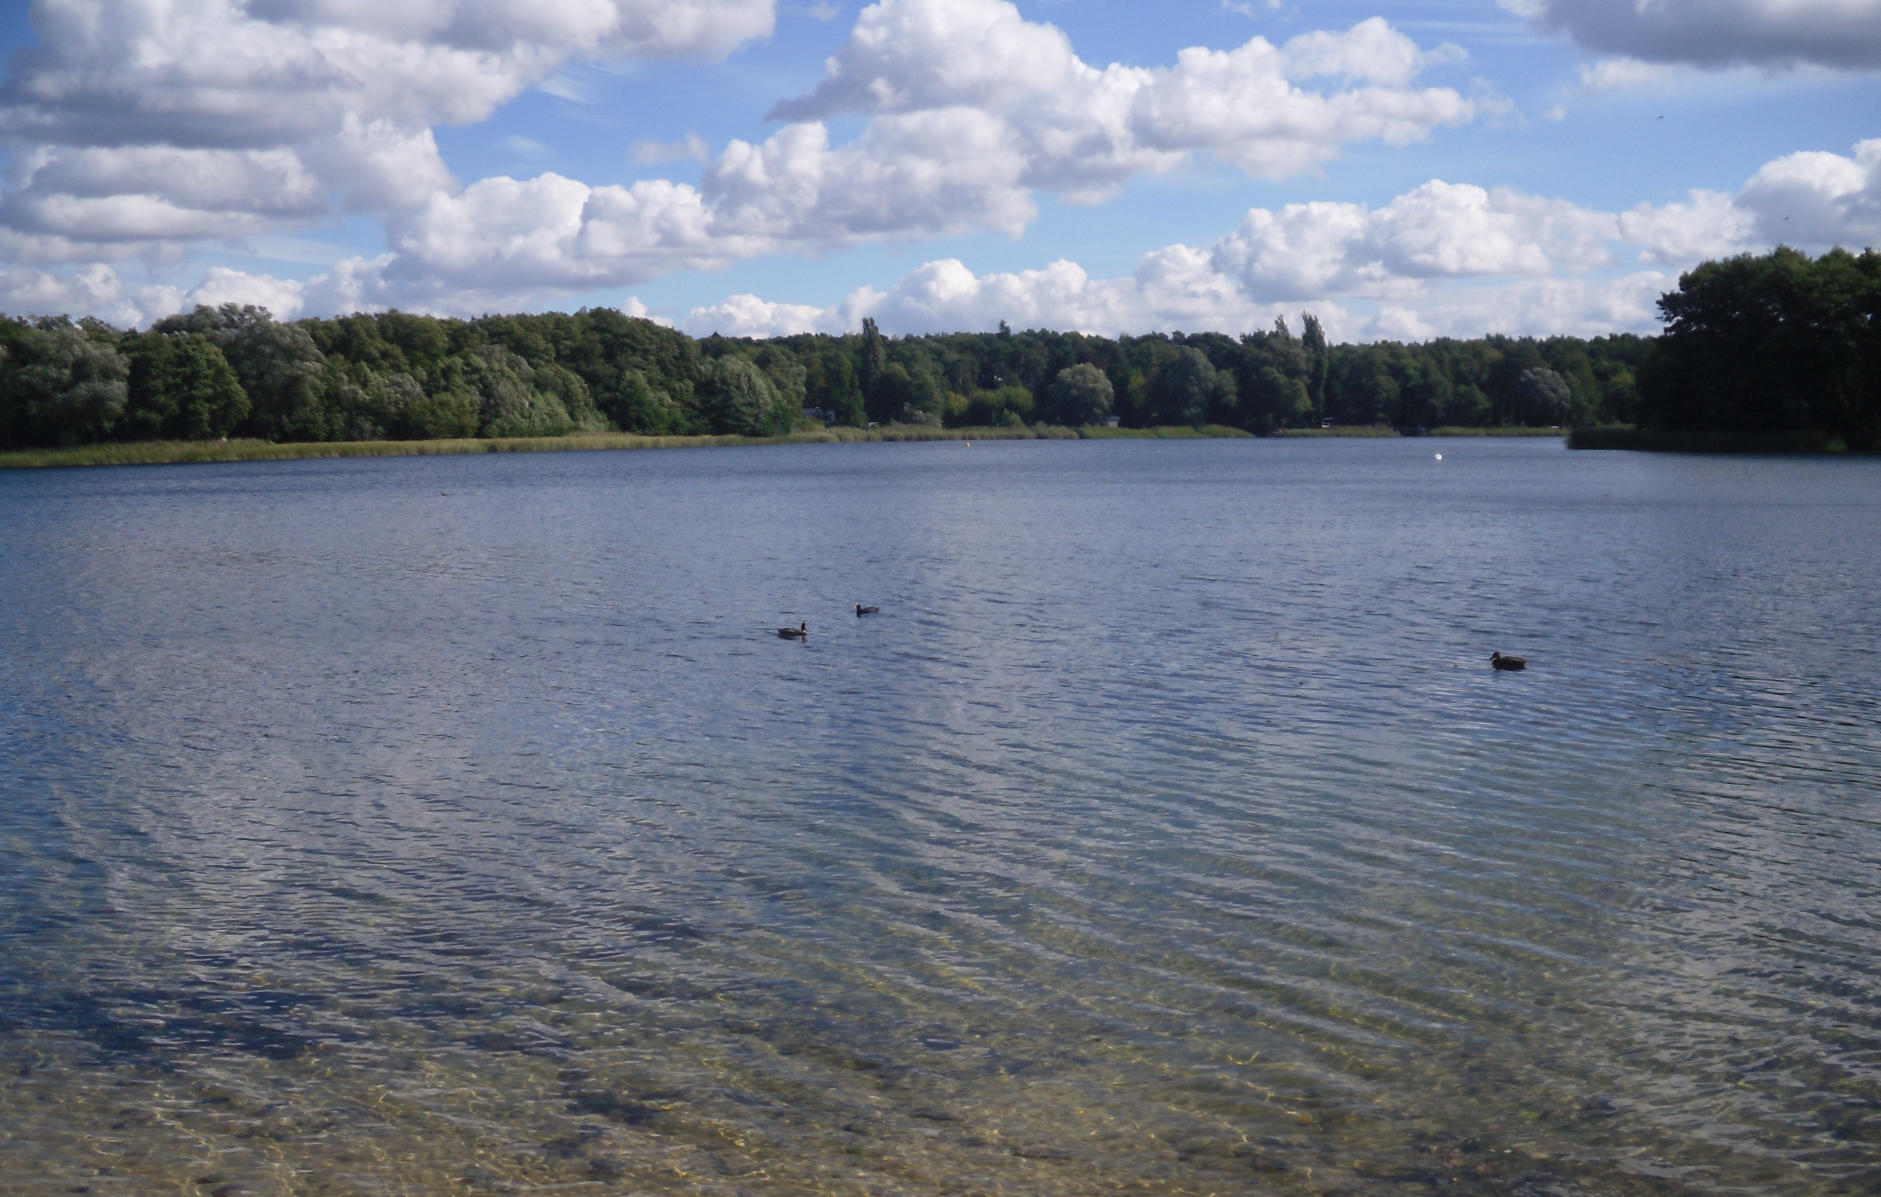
639,406
1362,387
1185,386
510,404
909,390
738,399
1009,406
871,362
360,340
279,366
391,401
1270,376
1318,360
181,387
444,414
564,386
1424,393
59,385
641,375
1078,395
1779,343
830,381
787,375
1543,397
422,341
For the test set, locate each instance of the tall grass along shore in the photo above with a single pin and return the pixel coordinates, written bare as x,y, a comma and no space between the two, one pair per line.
178,452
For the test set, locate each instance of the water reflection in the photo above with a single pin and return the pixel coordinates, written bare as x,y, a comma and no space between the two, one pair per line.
458,825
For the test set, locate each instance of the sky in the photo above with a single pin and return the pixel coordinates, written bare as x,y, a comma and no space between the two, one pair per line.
1402,169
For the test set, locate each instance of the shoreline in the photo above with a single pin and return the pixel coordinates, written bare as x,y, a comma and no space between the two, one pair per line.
131,453
1785,444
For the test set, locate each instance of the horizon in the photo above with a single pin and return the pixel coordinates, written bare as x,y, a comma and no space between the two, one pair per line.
1406,172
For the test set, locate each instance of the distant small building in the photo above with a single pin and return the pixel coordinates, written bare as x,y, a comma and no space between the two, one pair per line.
1112,421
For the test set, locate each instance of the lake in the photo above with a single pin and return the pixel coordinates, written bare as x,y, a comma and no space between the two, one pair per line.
463,825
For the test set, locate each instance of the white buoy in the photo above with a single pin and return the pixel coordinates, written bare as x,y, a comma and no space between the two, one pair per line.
1439,457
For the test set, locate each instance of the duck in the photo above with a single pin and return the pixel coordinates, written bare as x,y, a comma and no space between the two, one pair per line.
1502,662
800,632
862,610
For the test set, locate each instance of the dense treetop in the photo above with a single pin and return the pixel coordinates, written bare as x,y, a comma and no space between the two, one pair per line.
1751,344
1776,343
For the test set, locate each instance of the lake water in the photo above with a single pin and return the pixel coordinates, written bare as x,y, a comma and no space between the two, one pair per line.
462,824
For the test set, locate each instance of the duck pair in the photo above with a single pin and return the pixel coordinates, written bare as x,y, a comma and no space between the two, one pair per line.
802,630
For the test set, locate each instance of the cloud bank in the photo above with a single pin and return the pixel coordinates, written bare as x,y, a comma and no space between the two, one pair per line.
1844,34
152,130
158,126
1276,111
144,125
1444,259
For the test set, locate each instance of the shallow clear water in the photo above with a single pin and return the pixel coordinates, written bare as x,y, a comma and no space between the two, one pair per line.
462,825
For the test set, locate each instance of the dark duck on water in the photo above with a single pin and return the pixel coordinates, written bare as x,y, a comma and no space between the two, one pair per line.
1502,662
800,632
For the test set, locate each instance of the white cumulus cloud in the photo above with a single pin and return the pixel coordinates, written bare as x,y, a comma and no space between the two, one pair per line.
1083,129
282,297
150,126
1818,198
796,194
1438,230
94,290
1709,224
1443,259
1175,289
925,174
336,97
749,316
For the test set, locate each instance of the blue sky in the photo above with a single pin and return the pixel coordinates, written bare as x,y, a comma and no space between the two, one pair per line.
1402,169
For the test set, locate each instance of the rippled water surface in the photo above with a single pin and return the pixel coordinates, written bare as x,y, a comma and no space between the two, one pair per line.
462,825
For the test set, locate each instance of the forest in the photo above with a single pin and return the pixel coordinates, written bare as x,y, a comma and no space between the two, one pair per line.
1750,345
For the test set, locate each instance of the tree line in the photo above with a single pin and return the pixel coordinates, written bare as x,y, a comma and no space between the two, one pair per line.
1758,346
1749,343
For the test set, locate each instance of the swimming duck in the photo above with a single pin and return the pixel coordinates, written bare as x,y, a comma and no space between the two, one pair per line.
862,610
1502,662
800,632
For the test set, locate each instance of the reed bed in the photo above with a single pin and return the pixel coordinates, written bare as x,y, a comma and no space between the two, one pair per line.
1511,430
1163,432
1386,430
180,452
1342,430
